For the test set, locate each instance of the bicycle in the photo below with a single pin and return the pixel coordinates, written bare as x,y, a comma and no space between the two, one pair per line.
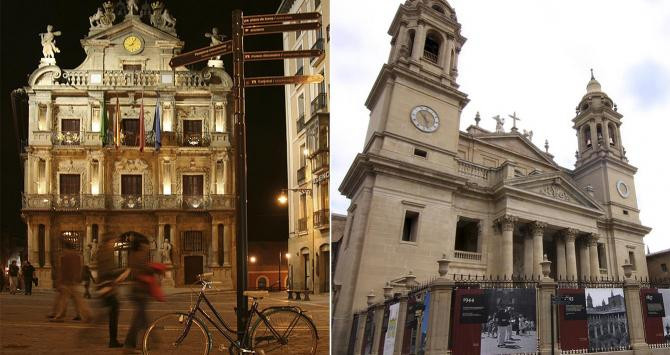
274,330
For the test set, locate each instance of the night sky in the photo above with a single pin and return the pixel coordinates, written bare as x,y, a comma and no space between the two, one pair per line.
21,52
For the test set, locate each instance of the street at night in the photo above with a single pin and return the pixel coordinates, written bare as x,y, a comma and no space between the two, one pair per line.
26,329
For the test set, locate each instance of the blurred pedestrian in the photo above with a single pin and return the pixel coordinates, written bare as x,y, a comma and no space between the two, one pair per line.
140,270
13,277
28,270
2,279
69,279
109,277
88,277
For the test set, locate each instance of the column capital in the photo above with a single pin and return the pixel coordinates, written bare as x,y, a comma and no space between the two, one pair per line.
537,228
593,238
506,222
570,234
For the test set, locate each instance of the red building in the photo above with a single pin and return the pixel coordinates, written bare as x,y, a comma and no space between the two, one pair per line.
268,262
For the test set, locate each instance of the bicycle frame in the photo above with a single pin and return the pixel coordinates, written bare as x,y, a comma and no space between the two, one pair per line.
245,339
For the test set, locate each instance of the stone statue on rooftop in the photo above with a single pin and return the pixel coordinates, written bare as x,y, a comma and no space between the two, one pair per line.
133,9
500,122
216,39
48,41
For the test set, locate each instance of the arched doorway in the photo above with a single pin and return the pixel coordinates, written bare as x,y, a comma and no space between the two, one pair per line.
304,254
325,264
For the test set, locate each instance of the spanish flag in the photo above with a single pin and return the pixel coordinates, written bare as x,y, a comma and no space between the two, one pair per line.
141,135
117,124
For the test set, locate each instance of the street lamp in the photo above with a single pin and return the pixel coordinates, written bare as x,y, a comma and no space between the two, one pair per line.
252,259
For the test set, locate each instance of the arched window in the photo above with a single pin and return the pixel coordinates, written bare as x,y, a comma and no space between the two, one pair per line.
431,48
411,41
599,130
587,136
438,9
262,283
612,134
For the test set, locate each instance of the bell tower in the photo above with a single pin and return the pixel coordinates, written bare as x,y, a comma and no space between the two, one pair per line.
602,167
415,103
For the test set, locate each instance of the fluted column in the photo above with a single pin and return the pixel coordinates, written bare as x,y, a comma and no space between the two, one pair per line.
570,255
593,254
419,39
215,245
537,230
561,267
507,244
584,259
528,255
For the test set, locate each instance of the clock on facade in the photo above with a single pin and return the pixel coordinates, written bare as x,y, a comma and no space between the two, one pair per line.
425,119
622,189
133,44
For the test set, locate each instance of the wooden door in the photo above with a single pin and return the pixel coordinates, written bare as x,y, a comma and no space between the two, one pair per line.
192,267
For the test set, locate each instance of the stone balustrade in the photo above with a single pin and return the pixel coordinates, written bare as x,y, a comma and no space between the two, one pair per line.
467,255
127,202
115,78
473,170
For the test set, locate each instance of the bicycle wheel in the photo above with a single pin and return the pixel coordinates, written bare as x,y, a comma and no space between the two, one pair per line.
297,334
162,335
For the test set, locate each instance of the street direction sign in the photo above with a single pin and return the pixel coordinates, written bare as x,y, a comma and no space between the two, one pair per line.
274,55
201,54
278,28
283,80
279,18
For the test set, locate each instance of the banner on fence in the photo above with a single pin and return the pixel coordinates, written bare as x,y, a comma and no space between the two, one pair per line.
352,336
391,329
417,310
653,312
666,320
494,321
572,319
368,333
607,321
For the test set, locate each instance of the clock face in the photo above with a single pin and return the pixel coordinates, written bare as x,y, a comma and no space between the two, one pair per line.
425,119
133,44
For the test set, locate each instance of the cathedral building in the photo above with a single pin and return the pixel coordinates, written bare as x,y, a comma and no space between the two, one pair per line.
123,146
308,153
493,203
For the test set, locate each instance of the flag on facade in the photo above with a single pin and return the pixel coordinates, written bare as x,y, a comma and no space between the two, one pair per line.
157,125
141,135
117,125
103,122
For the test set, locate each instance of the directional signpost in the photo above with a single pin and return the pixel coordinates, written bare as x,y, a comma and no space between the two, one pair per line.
251,26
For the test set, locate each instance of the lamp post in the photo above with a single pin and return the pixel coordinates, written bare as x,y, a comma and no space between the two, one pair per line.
283,200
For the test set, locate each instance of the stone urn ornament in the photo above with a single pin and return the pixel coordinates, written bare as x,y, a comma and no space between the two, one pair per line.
388,291
443,266
546,266
371,298
627,269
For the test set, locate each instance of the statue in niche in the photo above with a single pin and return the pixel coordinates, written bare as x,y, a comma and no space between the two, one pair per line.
166,253
153,247
94,250
48,41
216,39
87,255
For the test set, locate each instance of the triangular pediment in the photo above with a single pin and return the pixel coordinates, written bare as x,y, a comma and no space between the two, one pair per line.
554,186
518,144
130,25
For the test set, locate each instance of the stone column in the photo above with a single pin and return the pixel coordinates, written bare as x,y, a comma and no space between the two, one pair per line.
215,245
507,244
227,245
446,61
400,328
212,176
101,175
360,332
528,257
593,254
419,39
537,230
631,290
161,239
546,288
224,175
32,246
571,259
440,317
47,175
584,260
561,267
47,245
377,336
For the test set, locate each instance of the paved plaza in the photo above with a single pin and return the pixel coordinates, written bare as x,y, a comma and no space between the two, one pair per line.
26,330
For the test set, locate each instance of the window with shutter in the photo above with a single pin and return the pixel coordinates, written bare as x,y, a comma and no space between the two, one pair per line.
131,184
131,130
69,184
193,185
193,241
70,125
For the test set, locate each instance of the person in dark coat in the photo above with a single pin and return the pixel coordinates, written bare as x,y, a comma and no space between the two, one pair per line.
13,277
109,277
2,279
139,269
28,270
87,276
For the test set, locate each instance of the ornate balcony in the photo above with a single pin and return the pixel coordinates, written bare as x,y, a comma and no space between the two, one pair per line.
116,78
319,103
322,218
193,139
431,57
320,161
466,255
127,202
67,138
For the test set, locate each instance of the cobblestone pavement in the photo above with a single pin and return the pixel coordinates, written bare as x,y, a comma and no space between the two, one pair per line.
24,328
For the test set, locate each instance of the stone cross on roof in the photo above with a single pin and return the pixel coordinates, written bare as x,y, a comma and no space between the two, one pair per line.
514,119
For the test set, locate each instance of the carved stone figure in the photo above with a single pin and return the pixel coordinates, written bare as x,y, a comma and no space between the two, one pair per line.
103,19
168,20
153,248
87,255
132,5
216,39
166,253
96,18
48,41
528,134
500,122
161,18
94,250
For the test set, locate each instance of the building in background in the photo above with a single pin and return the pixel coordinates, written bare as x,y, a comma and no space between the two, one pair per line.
86,177
307,136
268,265
658,264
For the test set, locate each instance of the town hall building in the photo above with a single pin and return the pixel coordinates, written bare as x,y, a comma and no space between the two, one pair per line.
491,202
124,147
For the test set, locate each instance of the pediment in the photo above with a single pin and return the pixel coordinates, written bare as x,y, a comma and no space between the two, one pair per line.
554,186
517,144
129,26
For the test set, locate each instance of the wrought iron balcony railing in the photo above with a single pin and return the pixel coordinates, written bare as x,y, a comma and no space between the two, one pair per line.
67,138
432,57
322,218
319,103
320,161
194,139
126,202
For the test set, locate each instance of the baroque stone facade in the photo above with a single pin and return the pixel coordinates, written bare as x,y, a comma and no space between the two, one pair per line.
492,202
85,176
308,153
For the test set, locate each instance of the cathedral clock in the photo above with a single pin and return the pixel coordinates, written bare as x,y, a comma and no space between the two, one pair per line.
133,44
425,119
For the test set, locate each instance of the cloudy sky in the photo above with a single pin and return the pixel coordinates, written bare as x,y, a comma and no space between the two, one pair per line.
530,57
